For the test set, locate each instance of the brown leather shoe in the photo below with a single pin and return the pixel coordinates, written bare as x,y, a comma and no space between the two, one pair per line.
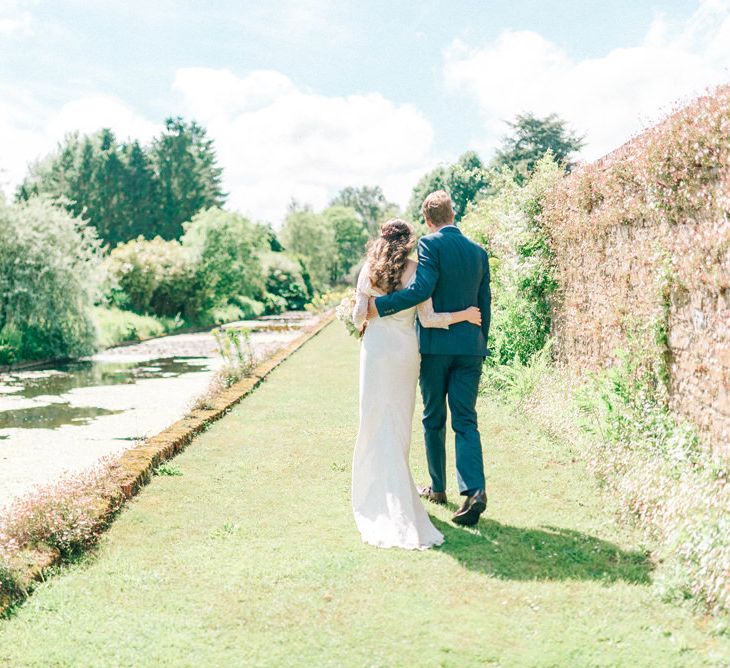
468,514
434,497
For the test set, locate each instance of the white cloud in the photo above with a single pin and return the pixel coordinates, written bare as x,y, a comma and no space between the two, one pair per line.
94,112
607,98
276,140
15,19
29,131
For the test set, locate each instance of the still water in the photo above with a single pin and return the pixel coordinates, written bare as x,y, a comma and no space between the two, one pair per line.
51,386
65,418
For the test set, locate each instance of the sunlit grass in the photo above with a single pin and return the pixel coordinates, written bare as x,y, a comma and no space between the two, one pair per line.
251,557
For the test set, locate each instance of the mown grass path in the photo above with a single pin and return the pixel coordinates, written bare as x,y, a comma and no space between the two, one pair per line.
251,558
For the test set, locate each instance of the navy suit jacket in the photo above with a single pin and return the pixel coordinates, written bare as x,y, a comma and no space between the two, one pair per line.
454,272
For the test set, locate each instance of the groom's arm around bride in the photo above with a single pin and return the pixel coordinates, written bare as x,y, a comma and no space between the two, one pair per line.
454,272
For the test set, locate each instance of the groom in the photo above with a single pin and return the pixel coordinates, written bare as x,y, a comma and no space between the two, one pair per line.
454,271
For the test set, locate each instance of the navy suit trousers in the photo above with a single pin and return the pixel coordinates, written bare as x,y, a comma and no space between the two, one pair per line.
454,378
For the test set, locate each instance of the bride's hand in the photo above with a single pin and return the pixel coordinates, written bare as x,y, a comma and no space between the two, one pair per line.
474,316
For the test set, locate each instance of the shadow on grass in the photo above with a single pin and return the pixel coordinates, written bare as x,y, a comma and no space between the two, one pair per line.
546,553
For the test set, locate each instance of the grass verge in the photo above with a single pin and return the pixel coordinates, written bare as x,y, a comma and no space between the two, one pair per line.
57,522
251,557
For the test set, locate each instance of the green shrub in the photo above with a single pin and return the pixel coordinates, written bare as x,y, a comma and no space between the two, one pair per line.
116,326
655,466
249,308
221,315
225,248
311,237
153,276
49,278
508,224
238,354
517,381
274,304
284,279
213,276
328,300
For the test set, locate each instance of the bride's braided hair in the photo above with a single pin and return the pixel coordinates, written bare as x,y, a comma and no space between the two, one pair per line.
388,254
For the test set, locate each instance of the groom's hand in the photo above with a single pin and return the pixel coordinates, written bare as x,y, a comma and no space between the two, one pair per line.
372,311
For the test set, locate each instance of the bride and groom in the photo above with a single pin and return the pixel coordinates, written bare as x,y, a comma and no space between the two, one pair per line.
426,321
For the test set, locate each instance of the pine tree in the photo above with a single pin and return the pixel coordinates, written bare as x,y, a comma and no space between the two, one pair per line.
189,177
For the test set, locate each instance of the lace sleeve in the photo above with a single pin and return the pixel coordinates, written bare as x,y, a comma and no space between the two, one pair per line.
362,295
429,318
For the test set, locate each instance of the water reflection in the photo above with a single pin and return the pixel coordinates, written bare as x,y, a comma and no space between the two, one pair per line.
88,373
64,378
51,416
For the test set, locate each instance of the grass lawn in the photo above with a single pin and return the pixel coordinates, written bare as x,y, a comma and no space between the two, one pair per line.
251,558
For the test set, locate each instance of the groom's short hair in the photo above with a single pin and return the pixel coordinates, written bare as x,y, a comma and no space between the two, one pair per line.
438,209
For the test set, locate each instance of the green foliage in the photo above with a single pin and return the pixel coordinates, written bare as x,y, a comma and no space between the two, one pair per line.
284,279
350,239
466,181
531,139
517,381
117,326
234,346
327,244
167,470
225,248
248,308
655,465
307,236
507,223
125,190
213,275
272,239
369,203
327,300
155,276
274,304
49,278
189,177
624,406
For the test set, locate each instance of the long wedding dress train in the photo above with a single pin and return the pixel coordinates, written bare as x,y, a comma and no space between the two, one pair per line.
388,511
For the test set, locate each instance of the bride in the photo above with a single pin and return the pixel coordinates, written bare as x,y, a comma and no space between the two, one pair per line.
388,511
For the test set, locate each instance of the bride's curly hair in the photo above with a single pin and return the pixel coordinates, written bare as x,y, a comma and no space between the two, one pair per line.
388,254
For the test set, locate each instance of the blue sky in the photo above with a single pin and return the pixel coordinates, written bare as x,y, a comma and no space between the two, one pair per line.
304,97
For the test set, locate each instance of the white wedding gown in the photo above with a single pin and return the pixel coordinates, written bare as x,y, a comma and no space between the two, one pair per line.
388,511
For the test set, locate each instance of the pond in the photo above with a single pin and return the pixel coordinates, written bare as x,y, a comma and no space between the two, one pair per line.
66,417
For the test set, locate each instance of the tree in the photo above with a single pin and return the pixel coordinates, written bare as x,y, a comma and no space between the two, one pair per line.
350,239
109,201
369,203
85,174
49,281
124,189
531,139
509,226
308,236
272,239
188,173
141,190
226,250
466,180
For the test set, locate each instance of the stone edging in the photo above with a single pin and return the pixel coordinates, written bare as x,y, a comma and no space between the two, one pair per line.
137,463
